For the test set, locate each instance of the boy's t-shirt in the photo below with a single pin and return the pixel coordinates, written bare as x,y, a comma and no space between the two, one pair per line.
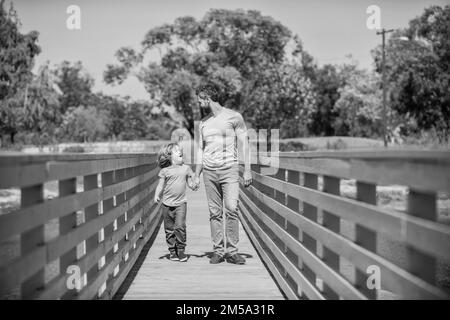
174,191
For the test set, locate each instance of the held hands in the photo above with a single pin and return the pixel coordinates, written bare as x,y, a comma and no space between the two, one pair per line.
195,182
247,178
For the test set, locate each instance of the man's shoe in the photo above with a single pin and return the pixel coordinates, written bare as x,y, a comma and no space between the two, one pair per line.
216,258
173,256
182,256
236,259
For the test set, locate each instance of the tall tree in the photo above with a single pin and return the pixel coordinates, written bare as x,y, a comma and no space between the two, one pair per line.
235,49
75,83
17,52
418,68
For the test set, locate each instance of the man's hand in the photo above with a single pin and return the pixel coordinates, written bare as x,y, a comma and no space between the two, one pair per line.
157,198
196,180
247,178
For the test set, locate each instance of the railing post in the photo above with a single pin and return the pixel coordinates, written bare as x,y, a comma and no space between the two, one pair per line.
310,212
332,222
108,204
90,182
66,225
32,239
294,204
120,198
422,205
365,237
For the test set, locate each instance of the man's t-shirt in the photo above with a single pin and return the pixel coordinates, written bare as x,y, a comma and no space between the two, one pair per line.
219,137
174,191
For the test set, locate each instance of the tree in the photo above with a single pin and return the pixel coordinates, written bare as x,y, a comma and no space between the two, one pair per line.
84,124
234,49
327,83
358,108
41,106
17,52
418,71
75,83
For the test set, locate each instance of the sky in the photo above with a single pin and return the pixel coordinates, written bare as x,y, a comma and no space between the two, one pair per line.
330,30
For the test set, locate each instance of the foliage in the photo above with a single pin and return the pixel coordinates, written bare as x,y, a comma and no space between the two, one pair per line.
417,67
359,106
241,52
75,85
17,52
84,124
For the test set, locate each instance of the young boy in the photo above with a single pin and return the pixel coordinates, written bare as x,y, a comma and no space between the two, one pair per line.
172,183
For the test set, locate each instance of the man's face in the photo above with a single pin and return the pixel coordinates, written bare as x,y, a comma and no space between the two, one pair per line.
203,100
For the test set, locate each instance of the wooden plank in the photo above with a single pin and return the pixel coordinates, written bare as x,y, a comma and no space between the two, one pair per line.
328,274
365,237
429,175
27,218
22,268
32,240
92,290
394,278
374,154
125,270
310,212
159,278
279,278
91,213
66,225
332,222
419,263
90,260
425,235
20,158
108,229
60,245
28,175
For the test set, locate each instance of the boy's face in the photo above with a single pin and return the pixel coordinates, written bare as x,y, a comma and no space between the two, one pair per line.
177,155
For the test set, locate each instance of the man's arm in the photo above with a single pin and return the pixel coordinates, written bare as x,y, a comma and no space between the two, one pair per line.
199,164
244,146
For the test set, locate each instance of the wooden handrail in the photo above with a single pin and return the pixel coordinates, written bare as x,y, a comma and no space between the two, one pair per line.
298,210
101,229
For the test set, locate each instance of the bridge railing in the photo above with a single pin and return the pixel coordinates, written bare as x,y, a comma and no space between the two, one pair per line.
320,225
101,217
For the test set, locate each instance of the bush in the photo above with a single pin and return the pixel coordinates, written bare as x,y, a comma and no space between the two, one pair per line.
339,144
294,146
73,149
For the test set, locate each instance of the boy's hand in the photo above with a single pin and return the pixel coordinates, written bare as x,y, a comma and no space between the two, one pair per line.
156,199
196,180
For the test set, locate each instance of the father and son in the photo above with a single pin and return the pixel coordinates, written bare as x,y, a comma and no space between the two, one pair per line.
222,133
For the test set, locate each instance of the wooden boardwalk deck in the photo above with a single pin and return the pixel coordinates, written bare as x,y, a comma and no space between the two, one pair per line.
156,277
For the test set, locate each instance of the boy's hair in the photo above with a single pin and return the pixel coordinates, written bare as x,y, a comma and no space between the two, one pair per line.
165,155
209,90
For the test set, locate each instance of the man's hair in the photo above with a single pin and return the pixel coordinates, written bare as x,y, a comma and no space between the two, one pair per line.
210,90
165,155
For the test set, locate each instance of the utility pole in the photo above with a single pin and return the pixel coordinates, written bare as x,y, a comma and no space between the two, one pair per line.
383,33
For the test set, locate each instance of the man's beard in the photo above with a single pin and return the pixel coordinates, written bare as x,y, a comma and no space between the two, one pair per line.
204,111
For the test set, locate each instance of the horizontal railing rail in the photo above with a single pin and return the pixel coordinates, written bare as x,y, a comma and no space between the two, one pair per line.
82,242
323,242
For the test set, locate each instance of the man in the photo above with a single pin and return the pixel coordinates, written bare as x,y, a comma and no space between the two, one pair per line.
222,133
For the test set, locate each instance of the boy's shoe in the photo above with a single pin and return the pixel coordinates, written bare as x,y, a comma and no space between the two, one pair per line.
173,256
236,259
216,258
182,256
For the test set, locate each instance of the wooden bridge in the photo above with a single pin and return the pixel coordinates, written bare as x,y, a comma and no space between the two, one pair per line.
318,227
